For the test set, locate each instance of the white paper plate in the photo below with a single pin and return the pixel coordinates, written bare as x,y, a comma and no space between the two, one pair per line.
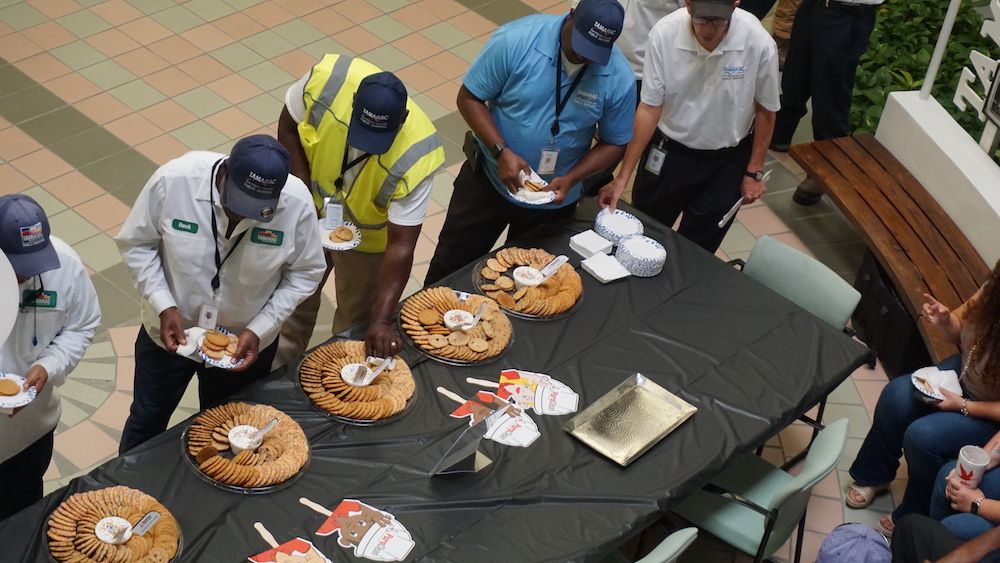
541,201
623,226
227,361
922,373
349,245
22,398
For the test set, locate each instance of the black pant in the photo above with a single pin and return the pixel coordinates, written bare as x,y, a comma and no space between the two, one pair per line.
826,44
703,185
759,8
22,474
477,215
162,377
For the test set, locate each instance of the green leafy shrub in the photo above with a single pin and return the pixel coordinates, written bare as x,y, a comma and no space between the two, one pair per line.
900,51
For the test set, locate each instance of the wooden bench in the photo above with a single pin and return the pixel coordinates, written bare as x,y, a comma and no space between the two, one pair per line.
914,240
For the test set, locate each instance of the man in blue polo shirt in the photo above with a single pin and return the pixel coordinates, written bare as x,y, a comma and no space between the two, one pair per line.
533,98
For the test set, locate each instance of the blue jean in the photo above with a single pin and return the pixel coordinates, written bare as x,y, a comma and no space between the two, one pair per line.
927,437
962,524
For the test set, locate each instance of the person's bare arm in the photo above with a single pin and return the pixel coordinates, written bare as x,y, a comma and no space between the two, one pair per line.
974,549
646,118
288,136
477,115
392,278
763,130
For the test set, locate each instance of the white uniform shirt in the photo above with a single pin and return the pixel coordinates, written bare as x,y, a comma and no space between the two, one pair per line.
708,98
63,324
168,245
640,17
408,211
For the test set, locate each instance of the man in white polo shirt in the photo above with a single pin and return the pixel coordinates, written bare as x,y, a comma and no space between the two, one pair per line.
640,17
709,97
215,241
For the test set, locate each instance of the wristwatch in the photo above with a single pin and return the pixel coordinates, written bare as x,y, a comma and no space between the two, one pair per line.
496,149
974,509
758,175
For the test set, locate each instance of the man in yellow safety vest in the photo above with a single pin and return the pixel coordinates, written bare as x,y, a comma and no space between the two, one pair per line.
368,152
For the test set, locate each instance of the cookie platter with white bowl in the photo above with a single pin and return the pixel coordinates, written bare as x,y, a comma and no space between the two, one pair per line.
328,377
513,278
440,323
246,448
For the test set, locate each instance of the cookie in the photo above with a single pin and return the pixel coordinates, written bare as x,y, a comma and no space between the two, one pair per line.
437,341
9,388
216,339
342,234
458,339
489,274
505,283
495,265
478,345
429,317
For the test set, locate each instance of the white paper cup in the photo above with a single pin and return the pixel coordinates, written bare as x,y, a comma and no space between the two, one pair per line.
972,462
455,319
526,276
239,438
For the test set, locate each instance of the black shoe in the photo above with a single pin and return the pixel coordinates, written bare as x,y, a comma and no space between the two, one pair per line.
806,197
780,147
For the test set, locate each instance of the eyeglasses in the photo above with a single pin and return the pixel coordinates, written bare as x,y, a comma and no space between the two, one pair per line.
715,22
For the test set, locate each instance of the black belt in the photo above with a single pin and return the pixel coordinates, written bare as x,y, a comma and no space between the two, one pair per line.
849,6
672,145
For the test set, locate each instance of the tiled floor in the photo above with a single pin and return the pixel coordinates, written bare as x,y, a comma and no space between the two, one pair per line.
95,94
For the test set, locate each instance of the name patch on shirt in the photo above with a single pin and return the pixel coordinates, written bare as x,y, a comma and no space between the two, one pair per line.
585,98
269,237
734,72
46,299
186,226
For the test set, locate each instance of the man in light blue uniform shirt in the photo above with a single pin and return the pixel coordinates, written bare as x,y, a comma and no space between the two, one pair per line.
521,122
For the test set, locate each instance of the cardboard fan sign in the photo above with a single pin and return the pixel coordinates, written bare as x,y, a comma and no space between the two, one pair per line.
297,550
505,423
536,391
372,533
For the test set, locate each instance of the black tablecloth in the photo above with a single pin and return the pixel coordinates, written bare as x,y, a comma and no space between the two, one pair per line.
750,361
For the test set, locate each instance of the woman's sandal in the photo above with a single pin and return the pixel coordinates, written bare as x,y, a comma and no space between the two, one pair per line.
865,492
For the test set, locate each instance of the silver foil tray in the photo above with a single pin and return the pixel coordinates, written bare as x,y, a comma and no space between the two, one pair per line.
630,419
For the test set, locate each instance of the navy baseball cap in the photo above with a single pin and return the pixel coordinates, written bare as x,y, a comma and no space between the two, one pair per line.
715,9
596,26
379,112
257,169
24,236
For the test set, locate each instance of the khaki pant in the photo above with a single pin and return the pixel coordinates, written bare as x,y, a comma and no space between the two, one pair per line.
356,283
784,16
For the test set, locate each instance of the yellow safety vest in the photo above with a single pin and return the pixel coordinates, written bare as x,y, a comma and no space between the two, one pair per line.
414,156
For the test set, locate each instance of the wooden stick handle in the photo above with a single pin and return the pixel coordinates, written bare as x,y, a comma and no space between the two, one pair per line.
317,507
451,395
483,382
265,534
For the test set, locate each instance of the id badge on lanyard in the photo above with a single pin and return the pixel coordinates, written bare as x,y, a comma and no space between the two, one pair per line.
334,215
547,162
208,314
654,162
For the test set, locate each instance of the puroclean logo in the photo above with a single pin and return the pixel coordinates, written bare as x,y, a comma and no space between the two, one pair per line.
267,236
186,226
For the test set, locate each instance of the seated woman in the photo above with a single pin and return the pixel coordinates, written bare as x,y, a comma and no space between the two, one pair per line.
965,511
930,434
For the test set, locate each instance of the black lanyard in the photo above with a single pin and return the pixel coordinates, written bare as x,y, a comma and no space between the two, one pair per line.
219,261
345,166
561,104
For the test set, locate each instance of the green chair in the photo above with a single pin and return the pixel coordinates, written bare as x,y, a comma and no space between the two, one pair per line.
755,506
808,283
667,552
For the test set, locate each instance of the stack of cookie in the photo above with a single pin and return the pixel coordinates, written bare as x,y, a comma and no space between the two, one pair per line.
385,396
217,345
422,318
73,536
281,455
557,295
341,235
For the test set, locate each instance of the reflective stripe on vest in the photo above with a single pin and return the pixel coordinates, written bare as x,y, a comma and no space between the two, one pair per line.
336,81
412,155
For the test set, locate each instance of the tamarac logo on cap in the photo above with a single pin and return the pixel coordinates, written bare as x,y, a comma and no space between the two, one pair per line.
602,33
32,235
374,120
